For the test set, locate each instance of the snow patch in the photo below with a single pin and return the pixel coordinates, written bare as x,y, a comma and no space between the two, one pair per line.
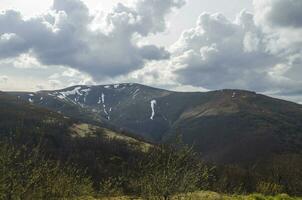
75,91
135,93
103,98
105,111
61,96
86,90
153,103
234,95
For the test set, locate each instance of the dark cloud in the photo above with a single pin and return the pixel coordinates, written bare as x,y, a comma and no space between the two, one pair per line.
11,45
64,36
285,13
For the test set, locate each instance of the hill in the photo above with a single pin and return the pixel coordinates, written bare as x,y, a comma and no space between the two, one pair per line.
64,139
227,126
118,163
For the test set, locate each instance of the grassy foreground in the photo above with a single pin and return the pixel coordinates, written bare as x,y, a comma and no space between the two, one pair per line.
208,196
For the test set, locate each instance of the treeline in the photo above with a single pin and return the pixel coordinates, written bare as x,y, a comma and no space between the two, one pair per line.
279,174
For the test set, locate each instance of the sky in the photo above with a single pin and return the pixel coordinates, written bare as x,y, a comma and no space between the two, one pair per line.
183,45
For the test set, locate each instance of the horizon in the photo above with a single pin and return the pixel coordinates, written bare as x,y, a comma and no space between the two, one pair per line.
133,83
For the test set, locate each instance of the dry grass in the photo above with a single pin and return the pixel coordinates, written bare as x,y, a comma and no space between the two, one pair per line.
207,196
87,130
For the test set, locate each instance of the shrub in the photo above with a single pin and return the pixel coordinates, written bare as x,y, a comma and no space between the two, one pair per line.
112,186
169,170
269,188
26,174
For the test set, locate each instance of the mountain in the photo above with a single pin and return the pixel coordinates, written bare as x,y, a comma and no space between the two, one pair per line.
107,105
226,126
99,151
18,115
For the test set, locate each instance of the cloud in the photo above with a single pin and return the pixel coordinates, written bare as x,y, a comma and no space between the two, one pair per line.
69,77
219,53
64,36
245,53
259,51
281,13
3,79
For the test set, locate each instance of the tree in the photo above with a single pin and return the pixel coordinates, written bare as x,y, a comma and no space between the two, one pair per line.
169,170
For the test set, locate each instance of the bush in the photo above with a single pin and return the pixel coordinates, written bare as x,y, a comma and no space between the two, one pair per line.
26,174
112,186
169,170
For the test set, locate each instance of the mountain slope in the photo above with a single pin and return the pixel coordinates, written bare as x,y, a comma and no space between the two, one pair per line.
240,126
100,151
106,105
226,126
19,115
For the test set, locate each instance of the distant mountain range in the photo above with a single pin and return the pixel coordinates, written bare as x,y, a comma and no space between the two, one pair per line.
226,126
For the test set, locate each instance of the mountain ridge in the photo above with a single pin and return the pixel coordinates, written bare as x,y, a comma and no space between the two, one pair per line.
222,124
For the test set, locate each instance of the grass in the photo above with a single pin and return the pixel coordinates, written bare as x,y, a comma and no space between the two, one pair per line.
203,195
87,130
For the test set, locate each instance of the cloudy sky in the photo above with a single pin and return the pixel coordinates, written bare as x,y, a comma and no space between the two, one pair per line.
185,45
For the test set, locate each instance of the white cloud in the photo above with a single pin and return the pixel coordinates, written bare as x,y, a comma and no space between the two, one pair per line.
69,77
219,53
3,79
259,51
246,53
63,36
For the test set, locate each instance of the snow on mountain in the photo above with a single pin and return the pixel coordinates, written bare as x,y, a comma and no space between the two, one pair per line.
153,103
103,98
72,92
